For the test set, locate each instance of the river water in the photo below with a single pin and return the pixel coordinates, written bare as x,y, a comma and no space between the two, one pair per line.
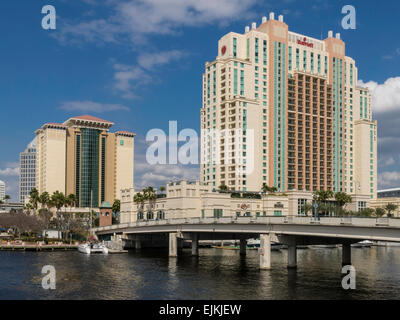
215,274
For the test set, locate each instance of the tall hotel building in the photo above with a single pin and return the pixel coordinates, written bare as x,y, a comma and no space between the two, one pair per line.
82,157
27,171
304,123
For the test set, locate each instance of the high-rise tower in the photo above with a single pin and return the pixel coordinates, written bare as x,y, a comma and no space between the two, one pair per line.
285,109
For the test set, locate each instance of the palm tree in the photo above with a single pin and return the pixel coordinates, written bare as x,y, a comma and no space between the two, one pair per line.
380,212
44,199
138,198
162,189
322,195
390,207
306,208
7,197
58,200
34,198
116,207
71,200
265,188
342,199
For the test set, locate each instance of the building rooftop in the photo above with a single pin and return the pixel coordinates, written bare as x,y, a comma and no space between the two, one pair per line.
90,118
89,122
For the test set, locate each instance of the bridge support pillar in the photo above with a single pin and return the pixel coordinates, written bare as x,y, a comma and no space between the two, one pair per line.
243,246
138,244
292,256
346,254
195,244
265,252
173,244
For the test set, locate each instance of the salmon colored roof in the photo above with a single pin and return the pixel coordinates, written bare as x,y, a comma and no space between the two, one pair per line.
91,118
125,132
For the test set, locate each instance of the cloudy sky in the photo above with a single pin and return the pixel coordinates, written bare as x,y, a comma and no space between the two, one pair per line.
139,63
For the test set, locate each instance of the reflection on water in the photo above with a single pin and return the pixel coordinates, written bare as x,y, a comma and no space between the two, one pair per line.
215,274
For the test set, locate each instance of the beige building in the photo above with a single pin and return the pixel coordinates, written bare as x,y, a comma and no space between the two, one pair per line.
185,199
285,109
82,157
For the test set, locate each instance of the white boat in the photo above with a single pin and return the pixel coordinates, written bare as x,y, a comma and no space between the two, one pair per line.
84,248
88,248
363,244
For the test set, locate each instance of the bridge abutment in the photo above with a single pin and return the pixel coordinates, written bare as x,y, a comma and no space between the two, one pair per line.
346,254
195,244
292,256
243,246
173,245
265,252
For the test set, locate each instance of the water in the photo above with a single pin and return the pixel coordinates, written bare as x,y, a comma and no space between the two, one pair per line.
215,274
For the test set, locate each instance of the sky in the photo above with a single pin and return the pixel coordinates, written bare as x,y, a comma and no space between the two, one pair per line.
139,64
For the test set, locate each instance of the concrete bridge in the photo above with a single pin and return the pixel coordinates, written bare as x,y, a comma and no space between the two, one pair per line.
290,230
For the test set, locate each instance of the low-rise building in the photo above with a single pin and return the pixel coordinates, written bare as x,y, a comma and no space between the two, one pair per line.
185,199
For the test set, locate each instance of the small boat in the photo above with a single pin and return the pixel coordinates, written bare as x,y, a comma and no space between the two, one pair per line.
88,248
363,244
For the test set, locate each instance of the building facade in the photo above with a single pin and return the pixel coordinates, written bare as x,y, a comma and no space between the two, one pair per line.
185,199
27,175
2,190
82,157
285,109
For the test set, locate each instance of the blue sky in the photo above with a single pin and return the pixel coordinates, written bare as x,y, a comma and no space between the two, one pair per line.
139,63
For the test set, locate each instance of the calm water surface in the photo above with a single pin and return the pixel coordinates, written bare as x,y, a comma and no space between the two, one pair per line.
215,274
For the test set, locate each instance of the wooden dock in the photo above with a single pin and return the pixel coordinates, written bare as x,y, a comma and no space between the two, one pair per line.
35,247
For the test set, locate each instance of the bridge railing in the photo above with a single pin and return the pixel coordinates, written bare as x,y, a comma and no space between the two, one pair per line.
333,221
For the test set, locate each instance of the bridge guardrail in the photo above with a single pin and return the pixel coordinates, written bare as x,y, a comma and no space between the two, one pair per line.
332,221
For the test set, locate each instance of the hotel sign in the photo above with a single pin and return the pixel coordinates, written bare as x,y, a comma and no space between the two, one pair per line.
305,43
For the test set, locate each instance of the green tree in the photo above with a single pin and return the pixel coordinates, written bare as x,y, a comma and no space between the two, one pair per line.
149,193
322,195
7,197
44,199
265,188
58,199
306,208
391,207
342,199
380,212
223,188
366,212
138,198
34,198
116,207
162,189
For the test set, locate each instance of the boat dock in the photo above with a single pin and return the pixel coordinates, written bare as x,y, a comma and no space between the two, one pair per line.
35,247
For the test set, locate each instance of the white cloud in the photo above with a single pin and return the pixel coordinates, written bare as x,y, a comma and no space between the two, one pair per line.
386,96
150,60
135,19
91,106
9,172
128,78
389,179
160,175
